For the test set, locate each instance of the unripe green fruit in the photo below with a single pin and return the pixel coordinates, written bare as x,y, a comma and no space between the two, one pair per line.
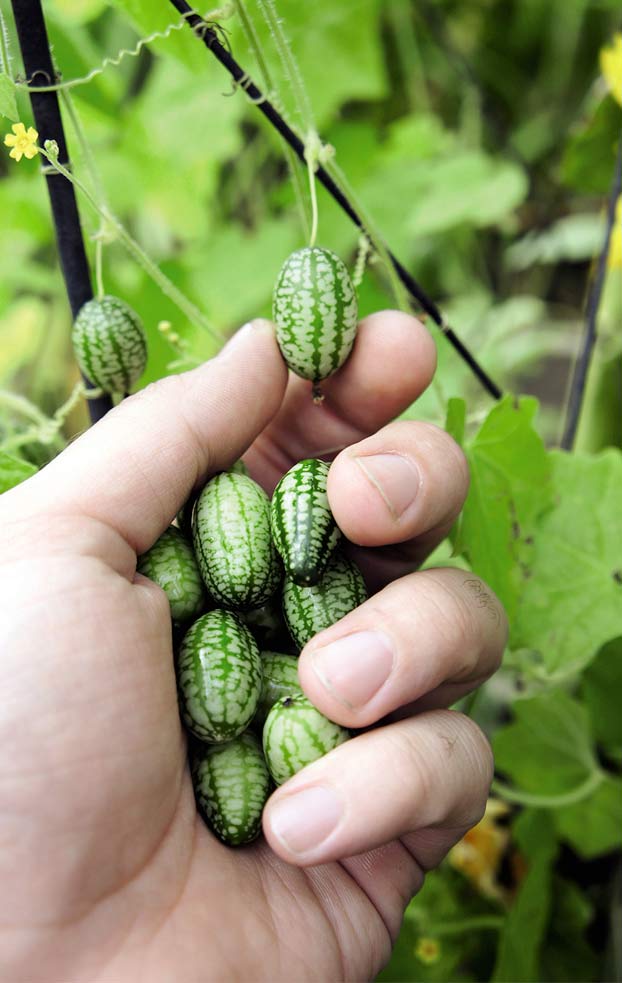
171,564
315,311
296,734
110,344
308,610
218,677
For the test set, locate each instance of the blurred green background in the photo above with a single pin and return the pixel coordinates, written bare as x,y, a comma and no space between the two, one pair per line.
480,135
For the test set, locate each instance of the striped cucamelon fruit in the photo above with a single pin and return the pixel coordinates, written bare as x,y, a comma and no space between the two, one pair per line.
279,679
295,734
315,311
171,564
303,528
231,784
232,541
218,677
308,610
110,344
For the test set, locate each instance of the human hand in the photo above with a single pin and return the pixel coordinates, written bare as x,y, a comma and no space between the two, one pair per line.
106,871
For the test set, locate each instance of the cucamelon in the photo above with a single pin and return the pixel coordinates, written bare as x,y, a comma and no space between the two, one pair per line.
171,564
303,528
279,679
315,311
110,344
218,677
308,610
295,734
232,541
231,784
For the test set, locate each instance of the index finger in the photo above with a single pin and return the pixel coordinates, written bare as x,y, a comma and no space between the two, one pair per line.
391,364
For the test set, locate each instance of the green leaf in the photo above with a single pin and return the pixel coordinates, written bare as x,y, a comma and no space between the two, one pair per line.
547,750
456,419
573,238
571,601
14,470
520,941
600,690
510,488
594,825
8,105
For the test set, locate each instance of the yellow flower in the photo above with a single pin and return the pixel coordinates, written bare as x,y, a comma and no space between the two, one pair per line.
428,951
23,141
479,853
611,67
614,260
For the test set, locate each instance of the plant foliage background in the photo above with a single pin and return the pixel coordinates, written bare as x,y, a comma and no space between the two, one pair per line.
481,138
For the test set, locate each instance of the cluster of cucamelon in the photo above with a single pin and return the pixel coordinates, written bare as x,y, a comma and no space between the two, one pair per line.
249,580
249,576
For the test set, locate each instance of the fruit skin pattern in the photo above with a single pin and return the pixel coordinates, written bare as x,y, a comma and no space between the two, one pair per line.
295,734
303,528
231,784
232,541
280,679
171,564
218,677
110,344
315,311
308,610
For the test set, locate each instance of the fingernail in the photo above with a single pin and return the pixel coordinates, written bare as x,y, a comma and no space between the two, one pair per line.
305,819
354,668
394,477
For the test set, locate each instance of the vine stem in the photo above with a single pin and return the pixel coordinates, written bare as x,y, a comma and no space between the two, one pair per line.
208,35
582,791
595,291
478,923
166,286
35,49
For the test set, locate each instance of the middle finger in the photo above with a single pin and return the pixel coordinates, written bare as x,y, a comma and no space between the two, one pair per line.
435,634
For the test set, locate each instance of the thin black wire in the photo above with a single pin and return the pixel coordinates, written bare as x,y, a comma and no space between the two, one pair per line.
209,36
579,378
34,45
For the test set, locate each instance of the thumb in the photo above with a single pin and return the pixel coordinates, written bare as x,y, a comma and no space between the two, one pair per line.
135,468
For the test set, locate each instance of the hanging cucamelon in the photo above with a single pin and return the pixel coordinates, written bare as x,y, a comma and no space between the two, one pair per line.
315,311
110,344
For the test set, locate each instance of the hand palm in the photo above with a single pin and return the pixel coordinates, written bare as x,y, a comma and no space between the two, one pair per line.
110,873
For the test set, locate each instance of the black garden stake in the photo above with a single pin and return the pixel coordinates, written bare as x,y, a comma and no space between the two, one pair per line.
33,42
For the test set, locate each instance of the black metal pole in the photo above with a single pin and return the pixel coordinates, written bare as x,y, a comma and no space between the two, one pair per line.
210,38
35,49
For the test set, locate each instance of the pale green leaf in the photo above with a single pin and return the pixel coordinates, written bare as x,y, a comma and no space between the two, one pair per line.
600,690
510,488
571,600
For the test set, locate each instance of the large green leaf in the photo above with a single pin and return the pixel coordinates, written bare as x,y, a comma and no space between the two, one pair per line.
571,600
510,488
547,750
8,105
600,690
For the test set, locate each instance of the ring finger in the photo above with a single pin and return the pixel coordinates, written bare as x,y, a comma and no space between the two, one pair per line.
433,770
